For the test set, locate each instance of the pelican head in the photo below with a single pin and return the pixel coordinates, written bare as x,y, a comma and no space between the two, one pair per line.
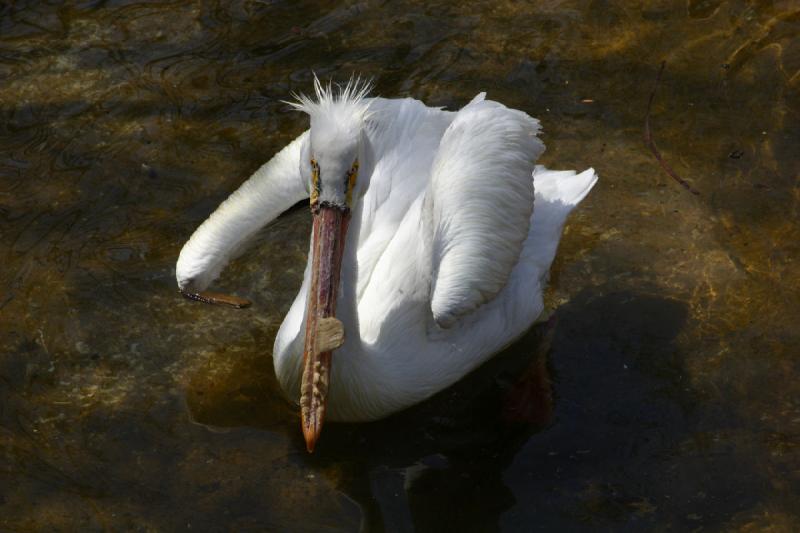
332,163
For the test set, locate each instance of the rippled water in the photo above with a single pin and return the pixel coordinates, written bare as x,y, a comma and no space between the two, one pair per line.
663,393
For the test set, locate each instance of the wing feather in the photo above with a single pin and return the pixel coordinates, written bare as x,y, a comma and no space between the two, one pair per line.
481,200
272,189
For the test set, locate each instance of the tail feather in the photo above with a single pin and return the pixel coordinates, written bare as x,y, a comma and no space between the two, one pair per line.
563,186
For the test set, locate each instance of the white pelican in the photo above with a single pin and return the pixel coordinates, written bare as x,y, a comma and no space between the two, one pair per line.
433,234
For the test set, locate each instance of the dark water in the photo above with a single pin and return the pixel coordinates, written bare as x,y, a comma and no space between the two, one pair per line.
663,394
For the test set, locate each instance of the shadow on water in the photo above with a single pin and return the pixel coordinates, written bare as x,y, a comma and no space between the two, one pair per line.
601,409
634,443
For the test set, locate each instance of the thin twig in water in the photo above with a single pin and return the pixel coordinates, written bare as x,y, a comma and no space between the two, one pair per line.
648,138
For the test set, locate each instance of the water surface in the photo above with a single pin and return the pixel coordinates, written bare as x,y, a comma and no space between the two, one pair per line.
664,392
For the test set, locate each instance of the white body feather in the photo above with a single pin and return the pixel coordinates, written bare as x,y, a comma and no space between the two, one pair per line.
448,250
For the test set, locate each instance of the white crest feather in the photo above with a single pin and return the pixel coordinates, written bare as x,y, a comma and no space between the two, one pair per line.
342,103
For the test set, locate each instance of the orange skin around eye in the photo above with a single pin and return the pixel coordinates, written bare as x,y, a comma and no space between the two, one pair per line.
351,182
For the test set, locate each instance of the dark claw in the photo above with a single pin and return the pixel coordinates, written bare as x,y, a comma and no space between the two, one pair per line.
216,298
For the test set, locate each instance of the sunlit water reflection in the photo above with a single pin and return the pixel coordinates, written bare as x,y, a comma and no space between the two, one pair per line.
665,390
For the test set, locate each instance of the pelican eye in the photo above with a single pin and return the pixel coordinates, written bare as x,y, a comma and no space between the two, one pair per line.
316,184
350,182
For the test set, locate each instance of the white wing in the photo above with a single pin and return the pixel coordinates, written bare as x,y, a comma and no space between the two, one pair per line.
271,190
481,200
